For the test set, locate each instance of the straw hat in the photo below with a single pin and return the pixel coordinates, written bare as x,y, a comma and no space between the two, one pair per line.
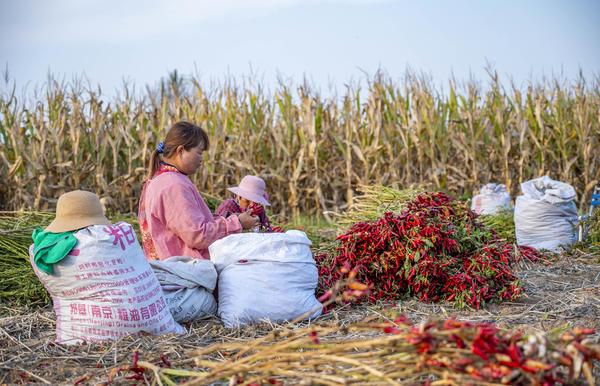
251,188
75,210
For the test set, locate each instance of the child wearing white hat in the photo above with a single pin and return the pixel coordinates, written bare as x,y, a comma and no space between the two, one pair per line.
250,196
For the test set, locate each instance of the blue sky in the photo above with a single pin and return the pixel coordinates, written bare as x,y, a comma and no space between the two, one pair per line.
330,42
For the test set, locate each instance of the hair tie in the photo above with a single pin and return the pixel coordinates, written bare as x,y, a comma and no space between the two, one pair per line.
160,148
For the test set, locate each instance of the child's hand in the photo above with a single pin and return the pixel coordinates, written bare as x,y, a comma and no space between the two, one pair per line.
247,220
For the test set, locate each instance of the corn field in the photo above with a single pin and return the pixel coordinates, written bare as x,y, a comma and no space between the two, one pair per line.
312,151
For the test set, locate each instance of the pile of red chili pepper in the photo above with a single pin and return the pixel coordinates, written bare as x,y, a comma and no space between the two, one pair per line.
435,250
485,353
442,352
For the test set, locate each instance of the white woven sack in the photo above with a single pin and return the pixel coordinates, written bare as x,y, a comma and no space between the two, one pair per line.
265,277
492,198
546,214
188,286
105,289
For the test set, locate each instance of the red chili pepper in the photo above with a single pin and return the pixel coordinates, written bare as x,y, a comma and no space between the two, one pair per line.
136,357
314,337
165,360
391,330
81,379
325,296
256,209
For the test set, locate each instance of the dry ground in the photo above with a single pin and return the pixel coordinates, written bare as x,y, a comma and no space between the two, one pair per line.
562,294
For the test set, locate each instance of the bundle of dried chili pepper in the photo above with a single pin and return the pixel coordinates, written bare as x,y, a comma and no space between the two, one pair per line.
435,249
488,354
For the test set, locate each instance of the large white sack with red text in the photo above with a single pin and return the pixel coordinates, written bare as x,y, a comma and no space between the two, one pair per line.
105,288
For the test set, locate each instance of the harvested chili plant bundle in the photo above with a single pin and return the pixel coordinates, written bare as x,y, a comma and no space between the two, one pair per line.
502,223
487,354
398,352
434,250
374,201
19,284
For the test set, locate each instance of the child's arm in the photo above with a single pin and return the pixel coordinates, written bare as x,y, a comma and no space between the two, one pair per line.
227,208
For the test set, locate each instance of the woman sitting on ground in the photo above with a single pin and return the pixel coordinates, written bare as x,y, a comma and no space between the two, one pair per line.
173,217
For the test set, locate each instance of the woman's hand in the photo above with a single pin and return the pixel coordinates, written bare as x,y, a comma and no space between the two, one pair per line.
247,220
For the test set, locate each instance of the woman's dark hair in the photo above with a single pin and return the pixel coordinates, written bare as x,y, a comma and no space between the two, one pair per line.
182,133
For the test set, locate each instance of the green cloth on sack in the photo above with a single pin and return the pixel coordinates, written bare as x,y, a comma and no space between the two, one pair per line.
50,248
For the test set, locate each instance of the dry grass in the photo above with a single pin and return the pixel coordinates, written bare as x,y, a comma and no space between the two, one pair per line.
313,151
559,296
